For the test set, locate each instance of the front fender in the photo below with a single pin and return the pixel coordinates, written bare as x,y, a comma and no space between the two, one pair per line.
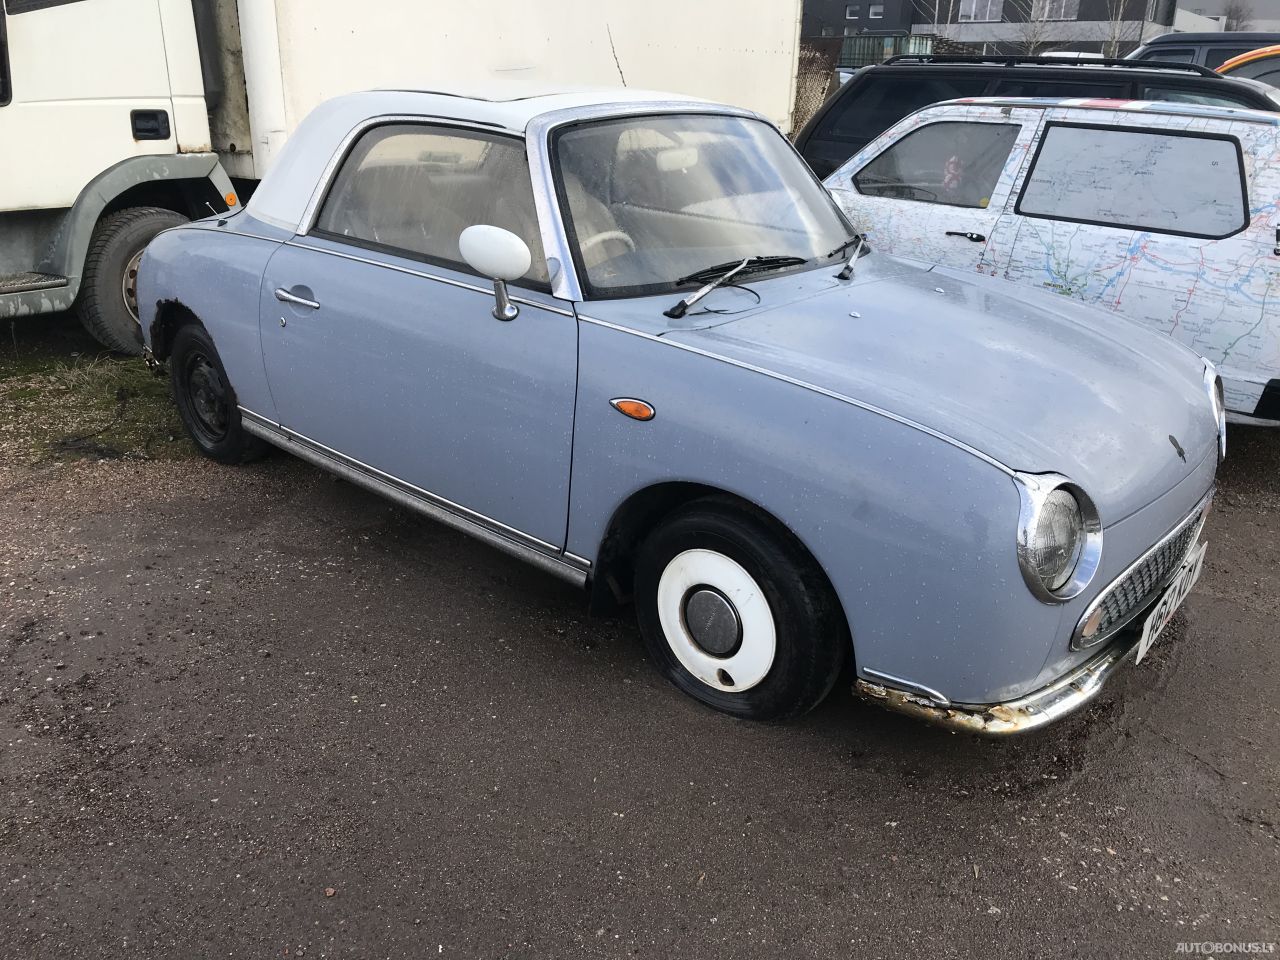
213,270
916,535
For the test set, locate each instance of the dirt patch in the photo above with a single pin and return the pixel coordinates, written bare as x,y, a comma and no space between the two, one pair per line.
62,397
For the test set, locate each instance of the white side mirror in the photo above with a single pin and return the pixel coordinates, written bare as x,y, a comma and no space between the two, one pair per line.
499,255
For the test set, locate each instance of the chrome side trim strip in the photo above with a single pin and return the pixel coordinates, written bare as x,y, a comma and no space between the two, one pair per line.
937,698
541,554
1198,513
869,407
574,558
487,291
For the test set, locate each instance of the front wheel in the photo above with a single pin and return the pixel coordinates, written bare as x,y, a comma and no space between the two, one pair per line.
205,400
737,614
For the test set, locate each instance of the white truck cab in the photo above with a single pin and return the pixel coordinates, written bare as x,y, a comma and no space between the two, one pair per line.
119,118
104,114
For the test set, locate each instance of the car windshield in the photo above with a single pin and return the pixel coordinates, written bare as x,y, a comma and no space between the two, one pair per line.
651,200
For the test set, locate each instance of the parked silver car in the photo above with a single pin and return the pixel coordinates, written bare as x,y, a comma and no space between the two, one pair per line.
632,340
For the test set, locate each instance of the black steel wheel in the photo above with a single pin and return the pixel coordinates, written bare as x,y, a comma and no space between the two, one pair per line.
206,401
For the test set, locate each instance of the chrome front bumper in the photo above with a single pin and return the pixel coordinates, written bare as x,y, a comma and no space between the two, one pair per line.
1065,695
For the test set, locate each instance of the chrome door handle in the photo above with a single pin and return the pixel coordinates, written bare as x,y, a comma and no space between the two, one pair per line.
284,296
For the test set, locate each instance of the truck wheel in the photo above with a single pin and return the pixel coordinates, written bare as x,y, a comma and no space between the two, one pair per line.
206,402
108,299
736,613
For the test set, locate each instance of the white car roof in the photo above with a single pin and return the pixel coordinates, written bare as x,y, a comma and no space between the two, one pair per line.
285,192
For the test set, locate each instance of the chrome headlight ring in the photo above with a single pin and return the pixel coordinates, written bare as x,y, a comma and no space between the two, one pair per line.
1034,489
1218,403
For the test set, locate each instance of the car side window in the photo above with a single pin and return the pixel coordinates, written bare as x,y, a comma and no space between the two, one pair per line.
413,189
1019,87
1171,54
1268,71
1165,181
1214,57
869,109
952,163
1184,95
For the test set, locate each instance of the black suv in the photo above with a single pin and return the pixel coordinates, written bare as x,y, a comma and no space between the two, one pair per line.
1210,50
877,97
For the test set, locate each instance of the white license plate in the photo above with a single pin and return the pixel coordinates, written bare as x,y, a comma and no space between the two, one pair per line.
1176,592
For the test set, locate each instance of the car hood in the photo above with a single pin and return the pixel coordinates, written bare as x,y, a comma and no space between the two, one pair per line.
1030,379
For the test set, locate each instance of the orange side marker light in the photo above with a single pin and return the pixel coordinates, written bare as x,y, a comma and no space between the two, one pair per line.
635,409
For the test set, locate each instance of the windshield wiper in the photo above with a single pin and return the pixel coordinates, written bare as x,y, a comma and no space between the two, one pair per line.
859,243
721,273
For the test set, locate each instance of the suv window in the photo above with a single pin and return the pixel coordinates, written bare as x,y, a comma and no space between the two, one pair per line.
1153,91
958,164
1161,180
1018,87
1268,71
1171,54
871,108
413,189
1214,57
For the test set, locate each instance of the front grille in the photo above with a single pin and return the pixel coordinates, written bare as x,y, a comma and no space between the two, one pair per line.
1139,585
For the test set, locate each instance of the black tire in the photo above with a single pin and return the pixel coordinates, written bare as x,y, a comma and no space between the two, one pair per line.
103,303
205,400
812,639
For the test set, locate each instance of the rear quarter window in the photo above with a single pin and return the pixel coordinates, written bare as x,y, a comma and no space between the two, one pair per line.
1171,54
1174,94
1165,181
1214,57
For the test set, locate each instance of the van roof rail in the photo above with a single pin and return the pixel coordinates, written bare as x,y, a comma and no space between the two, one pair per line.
1056,61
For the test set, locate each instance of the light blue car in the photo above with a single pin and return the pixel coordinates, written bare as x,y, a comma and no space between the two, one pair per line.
630,339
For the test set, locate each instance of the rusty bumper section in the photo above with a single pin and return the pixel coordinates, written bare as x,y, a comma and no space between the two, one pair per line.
1065,695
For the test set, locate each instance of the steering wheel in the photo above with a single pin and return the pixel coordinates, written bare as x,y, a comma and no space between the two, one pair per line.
603,237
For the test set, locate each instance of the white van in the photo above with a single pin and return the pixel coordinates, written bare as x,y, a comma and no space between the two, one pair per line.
1167,213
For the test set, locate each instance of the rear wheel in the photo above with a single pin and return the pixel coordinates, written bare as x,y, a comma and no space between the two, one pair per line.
737,614
205,400
108,300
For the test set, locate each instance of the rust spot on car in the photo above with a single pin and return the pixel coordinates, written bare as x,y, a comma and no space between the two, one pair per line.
998,720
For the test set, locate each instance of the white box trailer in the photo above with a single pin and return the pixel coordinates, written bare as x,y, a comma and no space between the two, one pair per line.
119,118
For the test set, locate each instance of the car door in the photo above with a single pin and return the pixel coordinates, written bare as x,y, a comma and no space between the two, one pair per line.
936,186
1149,221
381,346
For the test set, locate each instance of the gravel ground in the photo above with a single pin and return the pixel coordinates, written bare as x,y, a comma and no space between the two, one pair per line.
256,712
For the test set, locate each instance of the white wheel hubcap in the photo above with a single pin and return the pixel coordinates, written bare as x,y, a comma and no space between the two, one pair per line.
716,620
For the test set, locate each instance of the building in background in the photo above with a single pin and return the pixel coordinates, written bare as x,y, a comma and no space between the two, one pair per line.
1260,15
1113,28
840,18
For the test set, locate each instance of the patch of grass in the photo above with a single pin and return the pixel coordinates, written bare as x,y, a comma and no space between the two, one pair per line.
63,397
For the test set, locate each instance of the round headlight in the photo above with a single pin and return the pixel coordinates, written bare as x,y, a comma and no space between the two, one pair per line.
1059,536
1058,539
